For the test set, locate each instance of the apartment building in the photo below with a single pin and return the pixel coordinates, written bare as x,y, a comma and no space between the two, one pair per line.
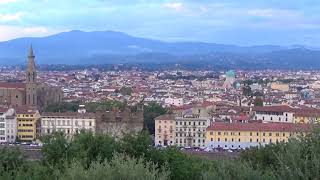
8,125
27,124
275,113
69,123
191,130
245,135
307,117
165,127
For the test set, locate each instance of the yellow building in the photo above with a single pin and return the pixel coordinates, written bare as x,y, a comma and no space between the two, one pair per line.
27,124
306,117
245,135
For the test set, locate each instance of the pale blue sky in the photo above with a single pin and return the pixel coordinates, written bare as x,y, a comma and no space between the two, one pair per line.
244,22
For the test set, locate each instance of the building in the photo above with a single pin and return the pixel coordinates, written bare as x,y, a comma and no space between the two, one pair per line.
165,130
30,92
174,101
245,135
287,114
118,122
307,117
27,124
230,79
274,113
8,125
69,123
280,86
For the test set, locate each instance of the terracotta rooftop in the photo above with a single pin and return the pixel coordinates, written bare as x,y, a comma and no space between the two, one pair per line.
260,127
68,114
12,85
165,117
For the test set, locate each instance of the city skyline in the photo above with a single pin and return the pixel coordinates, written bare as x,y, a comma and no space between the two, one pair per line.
228,22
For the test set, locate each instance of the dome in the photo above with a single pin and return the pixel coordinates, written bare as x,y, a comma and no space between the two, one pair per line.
231,73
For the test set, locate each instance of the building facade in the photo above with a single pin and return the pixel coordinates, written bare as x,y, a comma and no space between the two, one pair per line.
165,127
8,125
305,117
27,124
118,122
69,123
245,135
274,114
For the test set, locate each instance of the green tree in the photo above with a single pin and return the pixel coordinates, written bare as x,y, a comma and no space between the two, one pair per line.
125,90
258,101
151,111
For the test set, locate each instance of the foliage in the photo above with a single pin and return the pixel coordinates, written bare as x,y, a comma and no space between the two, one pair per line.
246,91
151,111
90,156
105,105
63,107
120,167
258,101
125,90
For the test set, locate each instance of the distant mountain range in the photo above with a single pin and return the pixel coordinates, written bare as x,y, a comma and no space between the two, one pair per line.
107,47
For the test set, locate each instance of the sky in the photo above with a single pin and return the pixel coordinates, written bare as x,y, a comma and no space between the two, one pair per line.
240,22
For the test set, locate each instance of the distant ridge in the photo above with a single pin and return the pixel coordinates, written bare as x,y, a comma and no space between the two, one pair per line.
104,47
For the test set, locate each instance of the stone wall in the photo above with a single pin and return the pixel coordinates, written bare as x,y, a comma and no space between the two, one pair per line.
117,122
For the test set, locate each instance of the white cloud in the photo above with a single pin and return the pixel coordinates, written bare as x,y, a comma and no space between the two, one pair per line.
12,32
271,13
11,17
174,6
7,1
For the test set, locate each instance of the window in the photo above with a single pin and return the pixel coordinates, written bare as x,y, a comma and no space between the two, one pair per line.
250,140
257,134
270,134
257,140
250,133
239,139
211,133
219,133
284,134
239,133
225,139
219,139
211,139
264,134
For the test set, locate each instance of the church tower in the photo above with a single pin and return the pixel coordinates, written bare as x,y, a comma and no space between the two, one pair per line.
31,80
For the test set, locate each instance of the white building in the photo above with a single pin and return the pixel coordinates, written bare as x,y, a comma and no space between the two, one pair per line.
174,101
69,123
8,125
191,131
275,113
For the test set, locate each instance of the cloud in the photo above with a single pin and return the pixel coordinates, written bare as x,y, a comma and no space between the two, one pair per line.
7,1
11,17
272,13
174,6
11,32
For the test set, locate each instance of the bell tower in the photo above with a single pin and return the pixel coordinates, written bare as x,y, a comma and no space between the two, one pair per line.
31,80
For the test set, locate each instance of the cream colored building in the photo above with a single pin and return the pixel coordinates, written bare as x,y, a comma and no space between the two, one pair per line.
69,123
280,86
165,130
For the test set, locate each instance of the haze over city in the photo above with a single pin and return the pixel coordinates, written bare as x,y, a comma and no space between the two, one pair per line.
247,22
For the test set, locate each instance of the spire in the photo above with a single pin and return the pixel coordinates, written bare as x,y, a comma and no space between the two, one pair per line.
31,63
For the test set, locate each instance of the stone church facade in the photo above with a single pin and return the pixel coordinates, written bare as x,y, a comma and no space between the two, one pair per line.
30,93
